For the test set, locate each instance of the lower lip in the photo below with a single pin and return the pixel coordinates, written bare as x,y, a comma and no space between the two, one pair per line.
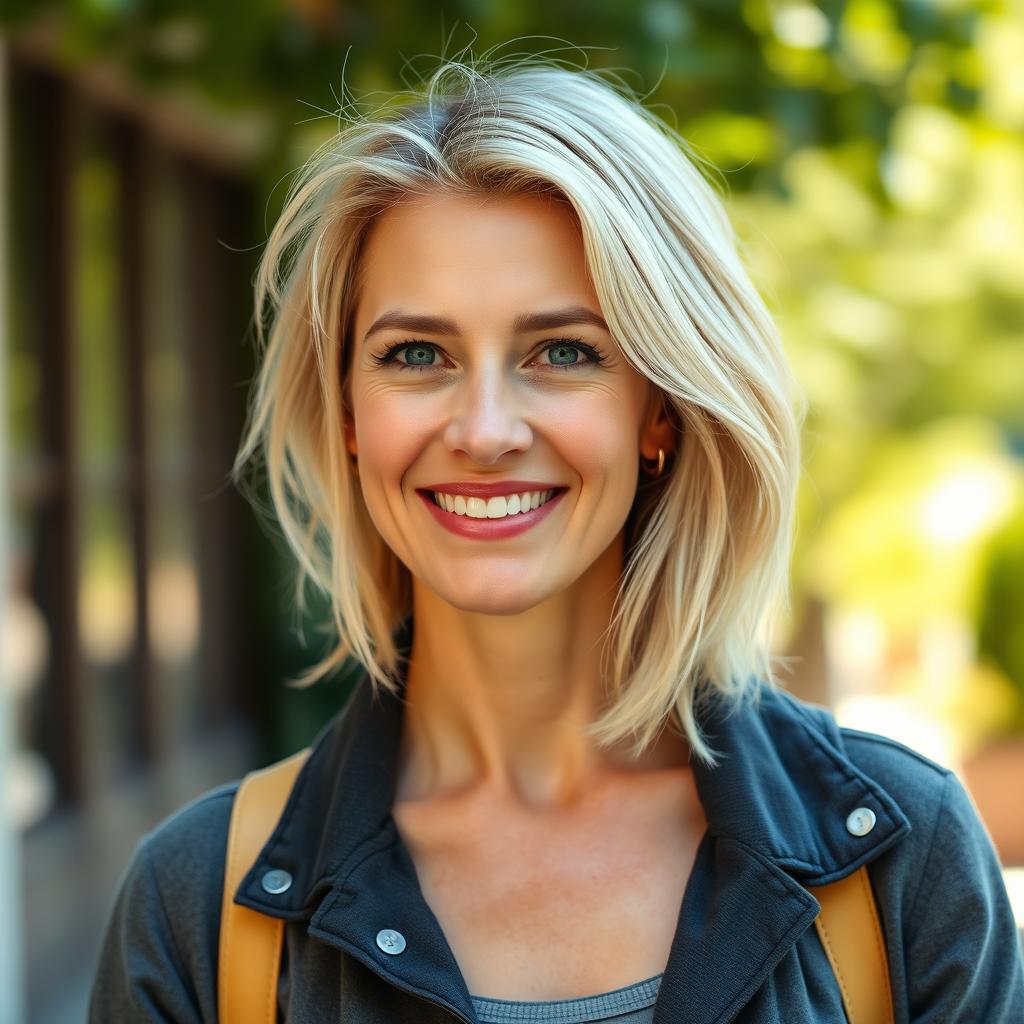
489,529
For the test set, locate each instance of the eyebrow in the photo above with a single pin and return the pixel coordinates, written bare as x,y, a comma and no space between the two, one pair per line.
395,319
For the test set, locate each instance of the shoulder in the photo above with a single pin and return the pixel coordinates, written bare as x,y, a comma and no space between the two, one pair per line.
945,828
947,846
922,787
918,784
951,843
948,843
179,867
159,955
191,843
189,835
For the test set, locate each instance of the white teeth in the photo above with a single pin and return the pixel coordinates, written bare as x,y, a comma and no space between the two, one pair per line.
493,508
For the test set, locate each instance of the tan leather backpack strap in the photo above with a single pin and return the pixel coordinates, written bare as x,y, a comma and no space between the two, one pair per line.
250,942
851,933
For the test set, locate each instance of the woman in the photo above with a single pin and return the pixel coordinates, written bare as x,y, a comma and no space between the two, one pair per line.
530,426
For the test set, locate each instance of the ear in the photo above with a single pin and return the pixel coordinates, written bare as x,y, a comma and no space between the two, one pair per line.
350,436
659,429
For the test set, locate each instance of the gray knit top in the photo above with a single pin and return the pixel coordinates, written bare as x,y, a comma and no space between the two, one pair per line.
633,1004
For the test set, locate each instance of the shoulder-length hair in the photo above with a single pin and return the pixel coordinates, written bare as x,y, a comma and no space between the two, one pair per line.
708,541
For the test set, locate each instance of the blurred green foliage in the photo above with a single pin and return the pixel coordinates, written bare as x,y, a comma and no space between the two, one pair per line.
751,82
872,157
1001,613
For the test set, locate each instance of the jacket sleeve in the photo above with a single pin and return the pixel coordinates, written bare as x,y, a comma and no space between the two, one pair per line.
141,975
158,961
964,960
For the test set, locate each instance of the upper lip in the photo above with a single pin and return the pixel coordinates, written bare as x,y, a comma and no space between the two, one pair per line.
471,489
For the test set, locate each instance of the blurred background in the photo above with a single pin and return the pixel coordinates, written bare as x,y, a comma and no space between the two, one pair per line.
872,158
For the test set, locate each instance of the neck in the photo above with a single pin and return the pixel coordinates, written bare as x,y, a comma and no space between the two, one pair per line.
496,704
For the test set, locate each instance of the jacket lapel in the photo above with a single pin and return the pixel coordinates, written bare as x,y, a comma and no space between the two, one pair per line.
785,788
382,892
776,806
352,874
740,915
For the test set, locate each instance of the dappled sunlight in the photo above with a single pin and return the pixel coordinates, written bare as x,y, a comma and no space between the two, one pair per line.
174,609
1014,879
967,501
107,607
908,541
902,719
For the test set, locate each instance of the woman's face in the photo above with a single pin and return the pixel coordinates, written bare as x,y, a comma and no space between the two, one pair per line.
487,397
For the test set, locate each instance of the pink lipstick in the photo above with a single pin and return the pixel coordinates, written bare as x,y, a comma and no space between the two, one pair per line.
490,529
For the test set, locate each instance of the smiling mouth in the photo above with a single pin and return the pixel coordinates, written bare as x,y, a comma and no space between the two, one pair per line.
503,507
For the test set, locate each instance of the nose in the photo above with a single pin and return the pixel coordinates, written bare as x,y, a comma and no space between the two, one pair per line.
487,421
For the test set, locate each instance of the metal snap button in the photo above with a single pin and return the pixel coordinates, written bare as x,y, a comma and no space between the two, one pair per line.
276,881
390,941
860,821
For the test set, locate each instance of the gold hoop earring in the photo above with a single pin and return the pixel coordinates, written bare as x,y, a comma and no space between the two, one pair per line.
661,464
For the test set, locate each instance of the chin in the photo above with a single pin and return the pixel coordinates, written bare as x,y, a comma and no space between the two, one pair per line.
491,595
499,609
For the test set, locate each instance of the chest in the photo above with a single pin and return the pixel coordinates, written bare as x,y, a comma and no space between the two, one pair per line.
552,907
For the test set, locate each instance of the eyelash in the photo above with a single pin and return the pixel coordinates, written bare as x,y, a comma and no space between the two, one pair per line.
595,358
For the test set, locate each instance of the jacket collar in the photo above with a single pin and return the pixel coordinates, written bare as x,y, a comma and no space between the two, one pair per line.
776,807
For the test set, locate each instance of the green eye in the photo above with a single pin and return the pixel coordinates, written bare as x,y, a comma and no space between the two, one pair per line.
420,355
564,350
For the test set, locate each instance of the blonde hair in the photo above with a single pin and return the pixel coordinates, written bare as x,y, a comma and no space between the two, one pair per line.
708,541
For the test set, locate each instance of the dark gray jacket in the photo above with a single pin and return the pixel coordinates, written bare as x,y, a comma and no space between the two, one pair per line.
744,950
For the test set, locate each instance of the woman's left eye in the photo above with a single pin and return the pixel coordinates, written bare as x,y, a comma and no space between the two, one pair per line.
561,349
569,346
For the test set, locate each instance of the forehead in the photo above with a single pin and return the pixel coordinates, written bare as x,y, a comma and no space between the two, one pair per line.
452,250
473,218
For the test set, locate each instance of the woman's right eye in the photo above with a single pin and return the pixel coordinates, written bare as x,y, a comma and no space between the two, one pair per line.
417,351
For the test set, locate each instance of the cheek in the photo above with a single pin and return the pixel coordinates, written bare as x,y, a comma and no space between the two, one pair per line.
390,431
390,441
597,435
